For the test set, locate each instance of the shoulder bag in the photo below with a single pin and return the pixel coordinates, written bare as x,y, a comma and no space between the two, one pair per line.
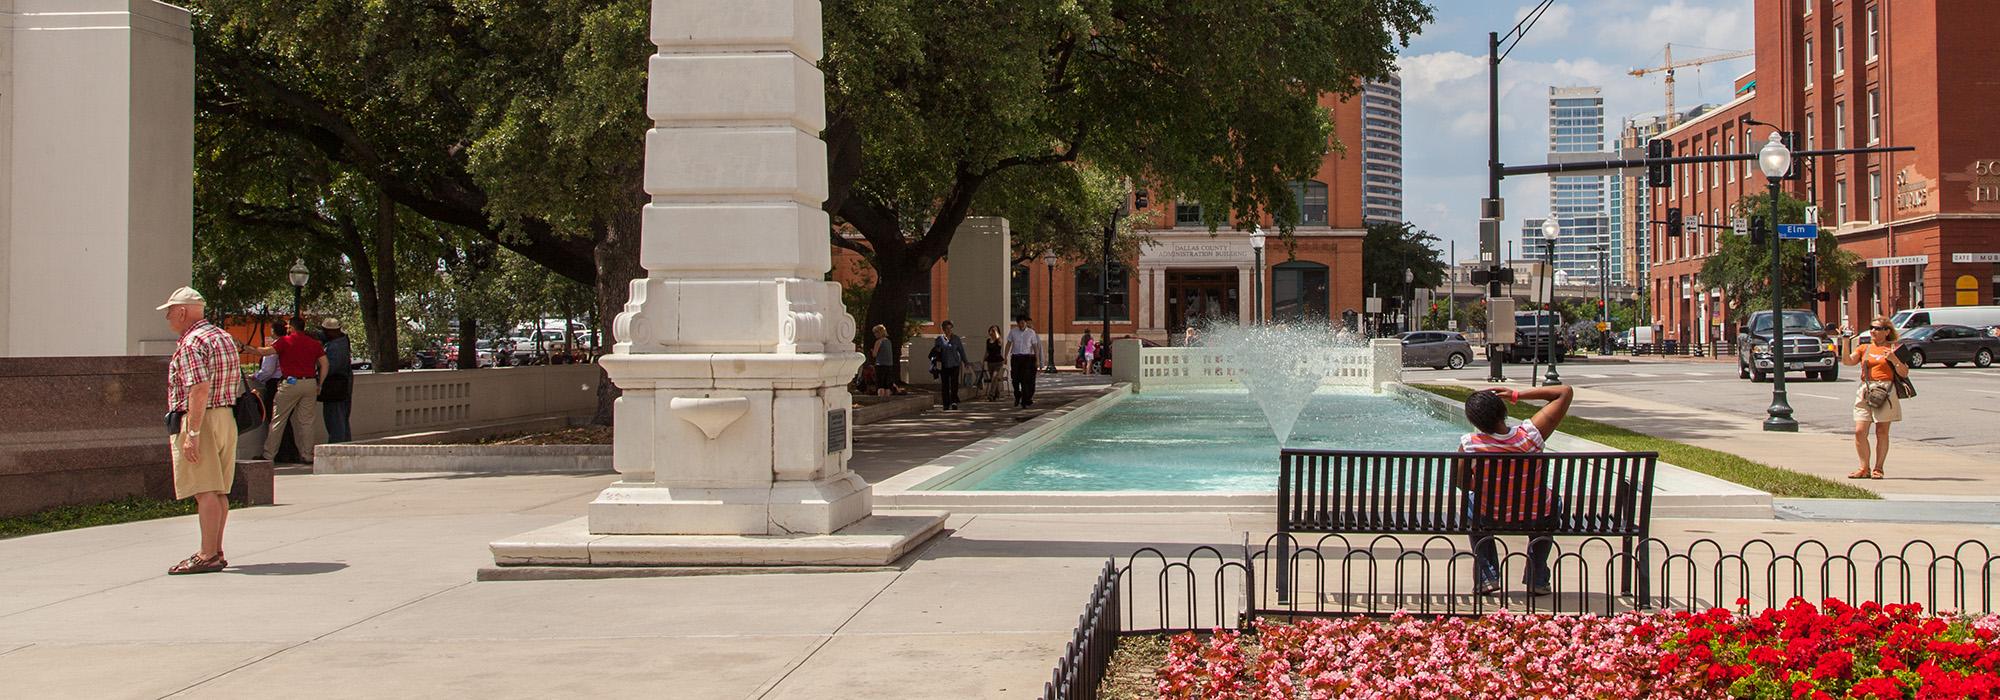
249,408
1904,389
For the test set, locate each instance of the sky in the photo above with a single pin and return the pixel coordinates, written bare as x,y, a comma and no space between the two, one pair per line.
1577,43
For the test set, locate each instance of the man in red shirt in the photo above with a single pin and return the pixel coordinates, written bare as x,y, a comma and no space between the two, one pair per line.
1502,492
302,364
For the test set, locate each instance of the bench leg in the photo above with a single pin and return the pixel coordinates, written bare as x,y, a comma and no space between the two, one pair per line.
1645,580
1284,568
1625,570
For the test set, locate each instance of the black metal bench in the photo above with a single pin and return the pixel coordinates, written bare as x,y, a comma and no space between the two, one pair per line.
1599,494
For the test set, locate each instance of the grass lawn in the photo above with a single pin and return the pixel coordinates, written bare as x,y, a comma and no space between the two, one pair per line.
73,517
1722,465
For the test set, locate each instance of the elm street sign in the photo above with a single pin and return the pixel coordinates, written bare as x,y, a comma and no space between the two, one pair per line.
1798,231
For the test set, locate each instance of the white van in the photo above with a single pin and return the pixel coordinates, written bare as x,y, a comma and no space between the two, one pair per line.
1974,316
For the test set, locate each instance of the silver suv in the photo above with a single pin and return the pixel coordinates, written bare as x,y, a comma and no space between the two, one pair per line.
1435,349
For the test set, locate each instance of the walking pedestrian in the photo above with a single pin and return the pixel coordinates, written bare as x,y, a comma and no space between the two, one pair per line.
996,362
302,360
1084,351
1875,400
203,381
337,396
884,353
948,362
1023,346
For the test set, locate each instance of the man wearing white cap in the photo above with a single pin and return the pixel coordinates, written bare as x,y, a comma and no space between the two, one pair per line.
202,383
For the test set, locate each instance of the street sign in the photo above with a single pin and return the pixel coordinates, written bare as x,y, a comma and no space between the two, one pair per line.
1812,214
1741,225
1602,326
1372,305
1798,231
1691,225
1451,325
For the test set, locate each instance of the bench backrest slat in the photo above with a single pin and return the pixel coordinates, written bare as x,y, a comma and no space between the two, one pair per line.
1608,493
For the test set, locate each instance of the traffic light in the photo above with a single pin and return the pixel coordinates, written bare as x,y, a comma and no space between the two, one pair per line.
1659,175
1791,141
1141,199
1674,222
1759,227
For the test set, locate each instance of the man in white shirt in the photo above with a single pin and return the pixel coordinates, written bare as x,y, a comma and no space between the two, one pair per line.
1023,346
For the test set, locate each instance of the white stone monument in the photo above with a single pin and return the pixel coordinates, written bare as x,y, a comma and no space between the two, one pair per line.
96,174
734,428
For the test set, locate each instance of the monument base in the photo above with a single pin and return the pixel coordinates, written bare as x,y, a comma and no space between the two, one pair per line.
781,508
877,540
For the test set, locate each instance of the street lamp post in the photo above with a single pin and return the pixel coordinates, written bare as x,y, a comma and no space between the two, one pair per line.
1550,231
1604,299
1050,260
1410,299
300,275
1257,284
1775,160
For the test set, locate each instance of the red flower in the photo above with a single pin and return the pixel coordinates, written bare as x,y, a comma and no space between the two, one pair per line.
1879,686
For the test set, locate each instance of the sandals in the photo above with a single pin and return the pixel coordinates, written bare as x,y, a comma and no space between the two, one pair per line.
1878,475
195,564
1861,473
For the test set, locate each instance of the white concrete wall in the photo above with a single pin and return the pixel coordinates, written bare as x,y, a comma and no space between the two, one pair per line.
416,401
97,174
982,280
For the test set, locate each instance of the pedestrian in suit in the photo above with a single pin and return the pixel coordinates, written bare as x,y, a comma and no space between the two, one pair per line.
948,362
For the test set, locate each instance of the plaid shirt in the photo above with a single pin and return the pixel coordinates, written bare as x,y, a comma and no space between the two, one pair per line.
205,354
1508,490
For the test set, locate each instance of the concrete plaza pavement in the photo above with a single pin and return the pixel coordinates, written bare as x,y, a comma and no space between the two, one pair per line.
362,586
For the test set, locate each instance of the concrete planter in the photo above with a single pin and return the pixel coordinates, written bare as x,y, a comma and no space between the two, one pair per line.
483,459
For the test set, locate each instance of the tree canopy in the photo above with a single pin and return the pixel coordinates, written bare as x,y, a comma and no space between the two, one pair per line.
1389,249
941,108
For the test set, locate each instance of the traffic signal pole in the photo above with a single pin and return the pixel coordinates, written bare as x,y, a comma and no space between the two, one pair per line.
1491,214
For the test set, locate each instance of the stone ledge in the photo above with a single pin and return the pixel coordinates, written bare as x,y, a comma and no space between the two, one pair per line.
878,540
488,459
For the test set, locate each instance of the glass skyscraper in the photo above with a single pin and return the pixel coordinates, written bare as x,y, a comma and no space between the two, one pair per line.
1583,205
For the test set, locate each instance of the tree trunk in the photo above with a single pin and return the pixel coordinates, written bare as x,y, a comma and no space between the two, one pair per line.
889,302
382,337
617,259
468,342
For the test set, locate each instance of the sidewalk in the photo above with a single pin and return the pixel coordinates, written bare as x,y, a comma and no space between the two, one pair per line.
362,586
1916,471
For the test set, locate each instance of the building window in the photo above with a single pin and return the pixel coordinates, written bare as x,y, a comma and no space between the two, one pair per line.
1087,297
1875,196
1812,134
1187,214
1700,173
1874,34
1018,290
1809,63
920,299
1311,196
1732,151
1839,49
1713,176
1874,116
1839,125
1839,202
1300,291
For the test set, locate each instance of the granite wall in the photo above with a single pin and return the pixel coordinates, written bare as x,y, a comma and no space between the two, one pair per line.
82,430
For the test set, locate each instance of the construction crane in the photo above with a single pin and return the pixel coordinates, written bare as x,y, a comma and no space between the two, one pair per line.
1672,116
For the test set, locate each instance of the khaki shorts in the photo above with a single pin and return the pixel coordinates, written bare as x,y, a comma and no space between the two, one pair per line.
1889,412
214,465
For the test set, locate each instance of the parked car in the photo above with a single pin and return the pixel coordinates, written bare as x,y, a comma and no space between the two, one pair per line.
1435,349
1974,316
1143,342
1949,344
1809,347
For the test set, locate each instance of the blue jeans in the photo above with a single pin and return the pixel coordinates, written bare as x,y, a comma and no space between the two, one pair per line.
335,413
1486,554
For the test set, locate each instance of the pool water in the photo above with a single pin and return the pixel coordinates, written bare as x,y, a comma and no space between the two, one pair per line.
1211,440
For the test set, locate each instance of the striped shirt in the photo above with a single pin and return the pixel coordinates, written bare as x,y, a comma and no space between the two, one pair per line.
205,354
1509,490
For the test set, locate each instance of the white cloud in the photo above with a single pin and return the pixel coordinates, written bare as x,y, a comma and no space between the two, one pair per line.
1426,77
1552,28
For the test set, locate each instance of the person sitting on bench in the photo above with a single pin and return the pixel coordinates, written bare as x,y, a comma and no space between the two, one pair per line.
1510,493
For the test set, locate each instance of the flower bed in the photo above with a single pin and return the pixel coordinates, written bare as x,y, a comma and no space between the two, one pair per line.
1799,651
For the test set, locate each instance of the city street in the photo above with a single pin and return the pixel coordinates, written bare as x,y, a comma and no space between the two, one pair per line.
1955,408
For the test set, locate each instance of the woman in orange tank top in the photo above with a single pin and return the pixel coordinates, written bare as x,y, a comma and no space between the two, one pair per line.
1879,369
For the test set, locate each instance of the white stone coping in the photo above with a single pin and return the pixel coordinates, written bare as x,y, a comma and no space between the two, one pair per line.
1677,492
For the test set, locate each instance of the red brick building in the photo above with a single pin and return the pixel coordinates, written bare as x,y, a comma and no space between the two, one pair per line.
1851,73
1190,274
